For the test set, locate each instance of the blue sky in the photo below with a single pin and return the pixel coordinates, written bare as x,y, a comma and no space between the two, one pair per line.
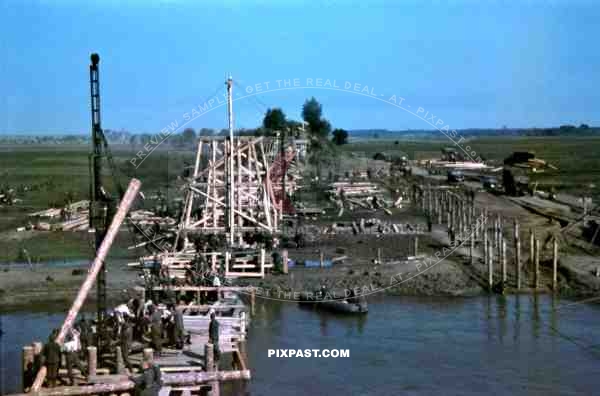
472,64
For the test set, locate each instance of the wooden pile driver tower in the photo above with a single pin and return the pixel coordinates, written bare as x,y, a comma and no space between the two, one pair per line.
237,187
209,206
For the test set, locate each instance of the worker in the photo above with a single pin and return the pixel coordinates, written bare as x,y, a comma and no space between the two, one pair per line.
213,336
125,341
156,329
28,377
216,282
179,329
51,358
86,336
72,347
149,382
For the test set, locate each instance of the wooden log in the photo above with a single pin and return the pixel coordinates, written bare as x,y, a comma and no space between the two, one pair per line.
554,264
175,379
92,360
252,300
97,265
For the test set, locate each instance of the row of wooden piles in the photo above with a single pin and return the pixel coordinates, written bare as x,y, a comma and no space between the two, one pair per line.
490,235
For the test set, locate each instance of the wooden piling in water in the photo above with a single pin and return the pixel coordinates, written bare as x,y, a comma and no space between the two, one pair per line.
485,246
554,264
252,300
531,248
490,266
92,360
503,258
517,253
537,264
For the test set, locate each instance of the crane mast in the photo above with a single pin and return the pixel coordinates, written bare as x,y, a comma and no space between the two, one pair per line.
101,206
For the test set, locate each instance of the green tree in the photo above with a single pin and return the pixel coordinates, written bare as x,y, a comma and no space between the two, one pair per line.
206,132
311,113
188,137
274,120
340,136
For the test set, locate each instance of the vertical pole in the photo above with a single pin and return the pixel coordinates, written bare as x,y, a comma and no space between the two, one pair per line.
210,367
531,249
537,263
378,255
472,244
321,259
92,359
517,253
230,179
490,266
284,257
416,245
503,258
119,358
252,300
554,264
485,246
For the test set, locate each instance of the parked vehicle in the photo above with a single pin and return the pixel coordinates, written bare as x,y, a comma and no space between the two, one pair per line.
456,176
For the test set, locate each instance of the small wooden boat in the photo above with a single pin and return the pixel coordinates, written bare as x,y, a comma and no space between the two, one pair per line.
354,306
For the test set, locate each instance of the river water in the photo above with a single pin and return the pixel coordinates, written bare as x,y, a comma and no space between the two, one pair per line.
514,345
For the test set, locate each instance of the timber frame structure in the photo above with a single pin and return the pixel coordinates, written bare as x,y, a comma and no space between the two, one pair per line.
248,207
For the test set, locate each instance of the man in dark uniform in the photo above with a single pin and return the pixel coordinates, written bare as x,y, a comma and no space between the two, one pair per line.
149,382
178,327
125,341
51,358
156,329
213,337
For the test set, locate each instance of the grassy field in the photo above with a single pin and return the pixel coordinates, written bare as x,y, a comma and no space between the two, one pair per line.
577,159
44,177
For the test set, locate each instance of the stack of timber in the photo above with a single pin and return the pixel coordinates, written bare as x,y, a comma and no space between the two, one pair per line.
374,226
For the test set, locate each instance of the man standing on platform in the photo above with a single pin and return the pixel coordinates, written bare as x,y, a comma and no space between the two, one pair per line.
51,358
72,348
125,341
213,337
156,329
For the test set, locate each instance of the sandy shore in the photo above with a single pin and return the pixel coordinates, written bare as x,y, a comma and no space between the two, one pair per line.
46,287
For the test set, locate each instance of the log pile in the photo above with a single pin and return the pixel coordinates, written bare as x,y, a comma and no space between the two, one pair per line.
374,226
359,195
